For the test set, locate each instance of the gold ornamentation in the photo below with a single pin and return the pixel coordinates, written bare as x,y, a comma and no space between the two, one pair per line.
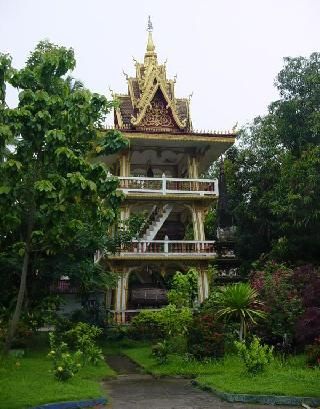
157,116
182,137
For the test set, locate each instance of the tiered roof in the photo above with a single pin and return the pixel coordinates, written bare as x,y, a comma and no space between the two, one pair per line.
151,102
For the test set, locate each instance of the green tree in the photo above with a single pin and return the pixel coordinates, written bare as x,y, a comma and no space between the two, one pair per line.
273,173
56,201
184,288
240,302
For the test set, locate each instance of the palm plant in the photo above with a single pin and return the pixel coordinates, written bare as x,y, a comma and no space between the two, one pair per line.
240,301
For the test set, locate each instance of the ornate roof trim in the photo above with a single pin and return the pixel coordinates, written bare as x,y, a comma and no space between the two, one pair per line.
117,111
148,96
131,93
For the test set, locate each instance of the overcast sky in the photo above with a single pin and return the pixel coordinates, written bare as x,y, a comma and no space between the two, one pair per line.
227,52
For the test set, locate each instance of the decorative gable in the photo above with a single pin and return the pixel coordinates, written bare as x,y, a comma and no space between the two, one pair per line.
150,102
158,115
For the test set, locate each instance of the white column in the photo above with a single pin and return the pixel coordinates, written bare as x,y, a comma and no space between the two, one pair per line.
117,306
124,298
121,297
200,287
205,285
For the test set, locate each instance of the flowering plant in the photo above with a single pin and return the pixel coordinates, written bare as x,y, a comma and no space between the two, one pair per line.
65,364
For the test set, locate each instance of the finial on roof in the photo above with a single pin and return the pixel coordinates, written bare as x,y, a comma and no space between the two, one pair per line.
150,45
150,26
111,92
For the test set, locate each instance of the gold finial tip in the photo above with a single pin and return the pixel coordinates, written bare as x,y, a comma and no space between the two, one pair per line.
150,26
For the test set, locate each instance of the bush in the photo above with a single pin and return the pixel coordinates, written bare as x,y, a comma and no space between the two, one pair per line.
255,355
175,321
205,337
282,302
160,352
82,338
117,332
168,322
184,288
65,364
307,328
146,325
313,354
81,329
22,336
44,313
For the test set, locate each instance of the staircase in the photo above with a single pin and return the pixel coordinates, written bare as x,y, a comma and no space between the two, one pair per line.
160,216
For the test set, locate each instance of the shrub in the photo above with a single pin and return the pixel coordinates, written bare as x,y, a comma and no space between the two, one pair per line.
307,328
184,288
168,322
81,329
240,302
65,364
146,325
90,352
82,337
22,336
45,313
205,337
255,355
282,302
117,332
160,352
313,353
175,321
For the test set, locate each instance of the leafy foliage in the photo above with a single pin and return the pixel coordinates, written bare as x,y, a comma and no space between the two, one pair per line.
313,353
82,338
240,301
273,173
160,351
281,302
307,327
206,337
65,364
168,322
184,288
255,355
57,202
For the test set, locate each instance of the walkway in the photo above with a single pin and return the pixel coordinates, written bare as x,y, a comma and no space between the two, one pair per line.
134,390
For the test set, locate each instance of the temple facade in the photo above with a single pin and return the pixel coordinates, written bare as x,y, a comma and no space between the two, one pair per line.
160,176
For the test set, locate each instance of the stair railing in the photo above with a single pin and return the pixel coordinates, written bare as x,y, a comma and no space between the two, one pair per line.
152,216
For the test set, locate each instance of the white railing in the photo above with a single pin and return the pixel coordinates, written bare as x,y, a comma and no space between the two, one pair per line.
165,185
169,247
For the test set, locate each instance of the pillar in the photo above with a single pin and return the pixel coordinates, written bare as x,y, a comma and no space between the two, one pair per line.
198,223
193,167
121,298
124,213
203,285
125,164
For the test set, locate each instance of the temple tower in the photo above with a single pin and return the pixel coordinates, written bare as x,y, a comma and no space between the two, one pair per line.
160,175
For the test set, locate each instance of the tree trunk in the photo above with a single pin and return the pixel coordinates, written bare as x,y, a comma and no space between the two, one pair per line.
22,289
242,329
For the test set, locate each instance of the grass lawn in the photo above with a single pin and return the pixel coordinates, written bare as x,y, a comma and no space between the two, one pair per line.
27,382
290,378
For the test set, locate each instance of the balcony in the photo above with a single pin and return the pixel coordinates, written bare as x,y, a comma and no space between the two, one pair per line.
169,186
161,249
167,248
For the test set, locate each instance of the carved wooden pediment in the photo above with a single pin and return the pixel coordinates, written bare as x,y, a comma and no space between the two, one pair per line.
158,115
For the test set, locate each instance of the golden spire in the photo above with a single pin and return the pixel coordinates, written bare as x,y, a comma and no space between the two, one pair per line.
150,45
150,54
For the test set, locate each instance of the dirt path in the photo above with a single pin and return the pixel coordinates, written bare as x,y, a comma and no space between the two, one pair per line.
134,390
